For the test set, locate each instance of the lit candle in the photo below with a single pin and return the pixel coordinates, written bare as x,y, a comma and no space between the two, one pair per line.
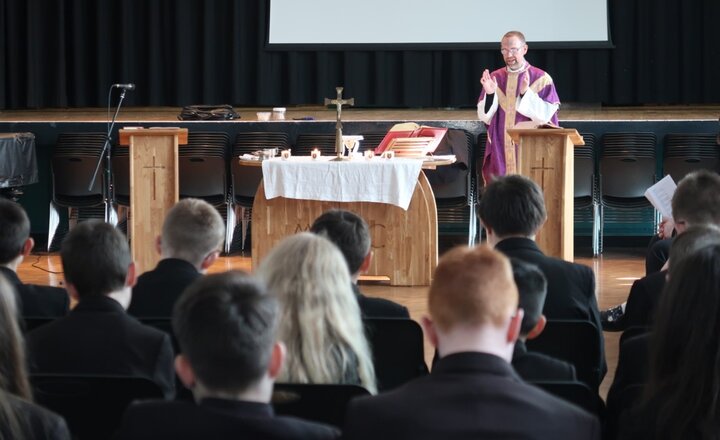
315,153
285,154
369,154
389,154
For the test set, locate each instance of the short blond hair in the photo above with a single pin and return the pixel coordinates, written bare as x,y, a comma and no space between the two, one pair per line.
192,229
472,286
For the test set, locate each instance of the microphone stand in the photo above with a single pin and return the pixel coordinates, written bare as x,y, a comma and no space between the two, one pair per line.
106,154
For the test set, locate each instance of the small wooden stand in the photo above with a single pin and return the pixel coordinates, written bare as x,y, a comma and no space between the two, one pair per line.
546,156
153,186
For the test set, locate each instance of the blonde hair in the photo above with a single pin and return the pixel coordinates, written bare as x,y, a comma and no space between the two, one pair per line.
472,286
192,230
320,321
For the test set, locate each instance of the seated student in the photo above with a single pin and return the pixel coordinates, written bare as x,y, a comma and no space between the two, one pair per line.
681,397
533,366
512,210
320,319
19,417
15,244
98,336
351,235
473,391
192,234
231,376
696,202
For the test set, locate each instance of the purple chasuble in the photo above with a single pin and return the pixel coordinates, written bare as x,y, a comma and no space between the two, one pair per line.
500,153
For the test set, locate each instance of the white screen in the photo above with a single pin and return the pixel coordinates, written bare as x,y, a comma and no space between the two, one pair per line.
318,22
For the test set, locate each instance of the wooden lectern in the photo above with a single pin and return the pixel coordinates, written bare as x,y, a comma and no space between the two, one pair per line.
153,186
546,156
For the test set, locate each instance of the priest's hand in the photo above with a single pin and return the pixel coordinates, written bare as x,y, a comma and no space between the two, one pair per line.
524,82
488,82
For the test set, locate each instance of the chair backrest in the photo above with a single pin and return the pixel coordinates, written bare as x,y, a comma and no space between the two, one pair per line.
576,393
585,185
627,164
574,341
450,182
30,323
323,403
91,405
687,152
398,350
306,142
245,179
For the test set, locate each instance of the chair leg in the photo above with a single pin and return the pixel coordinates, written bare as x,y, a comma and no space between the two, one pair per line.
596,230
472,227
246,213
230,222
53,223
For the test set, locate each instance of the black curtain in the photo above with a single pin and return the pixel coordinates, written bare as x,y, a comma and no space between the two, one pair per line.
65,53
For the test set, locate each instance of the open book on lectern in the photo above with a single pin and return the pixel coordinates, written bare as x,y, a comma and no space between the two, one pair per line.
411,140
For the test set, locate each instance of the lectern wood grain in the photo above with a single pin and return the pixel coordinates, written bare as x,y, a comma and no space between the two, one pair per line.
404,243
153,187
546,156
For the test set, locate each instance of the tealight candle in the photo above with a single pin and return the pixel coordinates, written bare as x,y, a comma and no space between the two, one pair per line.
285,154
369,154
315,153
389,154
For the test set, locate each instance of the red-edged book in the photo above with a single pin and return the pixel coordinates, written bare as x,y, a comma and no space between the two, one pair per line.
410,130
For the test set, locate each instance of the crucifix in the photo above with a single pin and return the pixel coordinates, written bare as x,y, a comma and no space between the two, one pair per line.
153,168
338,103
542,172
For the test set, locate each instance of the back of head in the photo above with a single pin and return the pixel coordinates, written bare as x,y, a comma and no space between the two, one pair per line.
690,241
512,205
95,258
685,347
192,230
472,287
696,200
226,326
348,231
320,318
15,227
13,377
532,289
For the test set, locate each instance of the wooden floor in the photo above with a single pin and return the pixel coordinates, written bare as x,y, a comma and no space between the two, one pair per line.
615,271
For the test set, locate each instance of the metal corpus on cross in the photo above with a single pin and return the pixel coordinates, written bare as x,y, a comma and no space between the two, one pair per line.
338,103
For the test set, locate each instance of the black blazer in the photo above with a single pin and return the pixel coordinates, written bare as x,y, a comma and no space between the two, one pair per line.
570,290
98,337
643,299
379,307
215,419
38,423
38,301
468,395
156,291
533,367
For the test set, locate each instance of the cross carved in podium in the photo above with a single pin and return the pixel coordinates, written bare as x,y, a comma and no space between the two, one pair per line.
154,167
542,172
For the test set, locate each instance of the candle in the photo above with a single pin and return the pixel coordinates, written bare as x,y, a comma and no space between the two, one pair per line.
315,153
369,154
285,154
389,154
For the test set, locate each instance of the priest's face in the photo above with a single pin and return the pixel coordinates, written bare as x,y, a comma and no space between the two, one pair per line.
513,51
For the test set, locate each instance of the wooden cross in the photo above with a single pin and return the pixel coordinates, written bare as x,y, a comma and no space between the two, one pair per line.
153,168
542,173
338,103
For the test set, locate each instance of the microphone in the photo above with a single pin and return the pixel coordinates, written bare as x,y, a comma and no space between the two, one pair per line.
129,86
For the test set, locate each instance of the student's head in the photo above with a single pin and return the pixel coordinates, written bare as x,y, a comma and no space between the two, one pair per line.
473,292
349,232
696,200
15,231
532,289
13,377
690,241
513,49
96,260
684,379
225,325
193,231
512,206
320,320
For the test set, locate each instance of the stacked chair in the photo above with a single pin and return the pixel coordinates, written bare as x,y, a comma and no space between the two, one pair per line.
371,140
627,169
586,202
72,165
306,142
245,179
685,153
203,171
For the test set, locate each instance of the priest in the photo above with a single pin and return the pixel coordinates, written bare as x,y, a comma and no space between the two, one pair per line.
515,93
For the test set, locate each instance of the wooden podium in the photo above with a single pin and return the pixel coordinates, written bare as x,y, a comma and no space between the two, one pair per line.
153,186
546,156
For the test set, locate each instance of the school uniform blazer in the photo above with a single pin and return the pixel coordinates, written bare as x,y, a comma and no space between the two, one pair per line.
215,419
156,291
98,337
38,301
533,366
379,307
467,395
